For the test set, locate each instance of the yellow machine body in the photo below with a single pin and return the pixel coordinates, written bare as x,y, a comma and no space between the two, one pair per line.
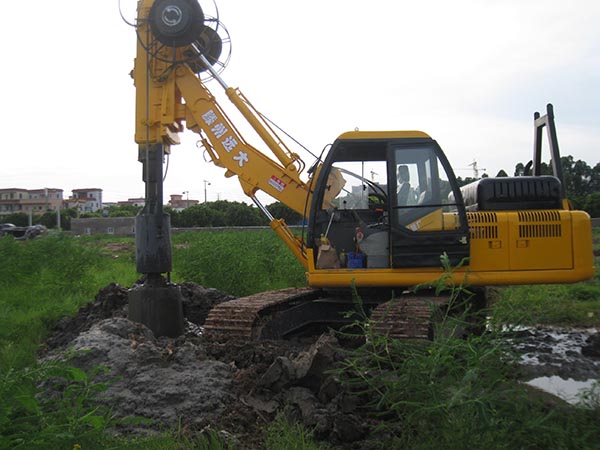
503,246
507,248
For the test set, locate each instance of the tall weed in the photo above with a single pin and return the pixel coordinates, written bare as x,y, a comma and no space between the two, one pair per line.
240,263
457,392
50,405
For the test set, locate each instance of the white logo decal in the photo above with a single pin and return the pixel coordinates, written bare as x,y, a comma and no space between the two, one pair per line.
229,143
241,158
219,130
209,117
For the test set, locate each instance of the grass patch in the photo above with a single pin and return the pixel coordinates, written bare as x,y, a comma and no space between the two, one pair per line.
47,278
285,434
50,405
576,305
239,263
42,280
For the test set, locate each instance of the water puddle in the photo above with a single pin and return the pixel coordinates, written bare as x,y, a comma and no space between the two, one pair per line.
552,360
569,390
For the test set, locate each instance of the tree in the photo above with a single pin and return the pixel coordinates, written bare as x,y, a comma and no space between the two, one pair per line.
123,210
591,204
464,181
18,219
65,217
242,215
281,211
577,176
581,182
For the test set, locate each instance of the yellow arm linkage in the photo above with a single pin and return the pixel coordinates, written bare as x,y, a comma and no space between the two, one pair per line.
169,94
228,149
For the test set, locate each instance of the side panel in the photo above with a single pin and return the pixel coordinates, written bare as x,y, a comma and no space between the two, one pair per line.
540,240
489,234
507,248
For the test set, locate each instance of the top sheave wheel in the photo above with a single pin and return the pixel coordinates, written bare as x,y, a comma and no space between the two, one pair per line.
176,23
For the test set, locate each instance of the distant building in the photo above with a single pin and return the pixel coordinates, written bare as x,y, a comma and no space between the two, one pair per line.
140,202
38,201
85,200
179,203
119,226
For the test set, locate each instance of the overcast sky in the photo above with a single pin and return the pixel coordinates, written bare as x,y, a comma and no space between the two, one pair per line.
470,73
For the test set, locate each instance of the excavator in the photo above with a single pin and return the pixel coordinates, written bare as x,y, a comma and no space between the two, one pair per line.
381,207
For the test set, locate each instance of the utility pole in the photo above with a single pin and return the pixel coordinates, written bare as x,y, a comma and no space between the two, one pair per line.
187,199
206,183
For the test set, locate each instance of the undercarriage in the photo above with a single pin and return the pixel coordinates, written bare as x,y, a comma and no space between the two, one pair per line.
289,312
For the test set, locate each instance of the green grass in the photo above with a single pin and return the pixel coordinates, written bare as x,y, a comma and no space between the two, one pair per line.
47,278
457,393
239,263
42,280
285,434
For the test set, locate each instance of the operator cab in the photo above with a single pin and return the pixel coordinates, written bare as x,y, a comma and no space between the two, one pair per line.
387,200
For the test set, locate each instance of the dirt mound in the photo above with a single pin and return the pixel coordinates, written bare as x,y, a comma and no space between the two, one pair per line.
110,301
192,382
198,301
160,379
239,387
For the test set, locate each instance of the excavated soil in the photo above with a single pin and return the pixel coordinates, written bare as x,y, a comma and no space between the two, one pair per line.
191,383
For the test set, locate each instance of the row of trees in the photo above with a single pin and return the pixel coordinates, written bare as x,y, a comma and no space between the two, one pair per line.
221,213
224,213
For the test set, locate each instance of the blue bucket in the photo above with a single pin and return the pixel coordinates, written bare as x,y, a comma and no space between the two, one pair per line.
355,260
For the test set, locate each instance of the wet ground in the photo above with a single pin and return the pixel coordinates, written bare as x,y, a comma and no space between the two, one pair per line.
191,383
562,361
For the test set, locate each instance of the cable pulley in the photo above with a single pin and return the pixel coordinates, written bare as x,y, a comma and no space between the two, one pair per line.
176,23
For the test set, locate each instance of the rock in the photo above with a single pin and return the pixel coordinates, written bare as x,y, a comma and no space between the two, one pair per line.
197,301
311,366
313,414
279,374
330,389
592,347
304,399
262,405
308,369
348,428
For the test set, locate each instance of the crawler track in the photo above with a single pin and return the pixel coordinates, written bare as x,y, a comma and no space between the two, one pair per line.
408,317
244,317
278,314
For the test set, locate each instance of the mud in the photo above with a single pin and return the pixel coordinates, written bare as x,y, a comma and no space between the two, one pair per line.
562,361
191,383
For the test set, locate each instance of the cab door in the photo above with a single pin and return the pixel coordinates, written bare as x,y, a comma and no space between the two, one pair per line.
427,214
